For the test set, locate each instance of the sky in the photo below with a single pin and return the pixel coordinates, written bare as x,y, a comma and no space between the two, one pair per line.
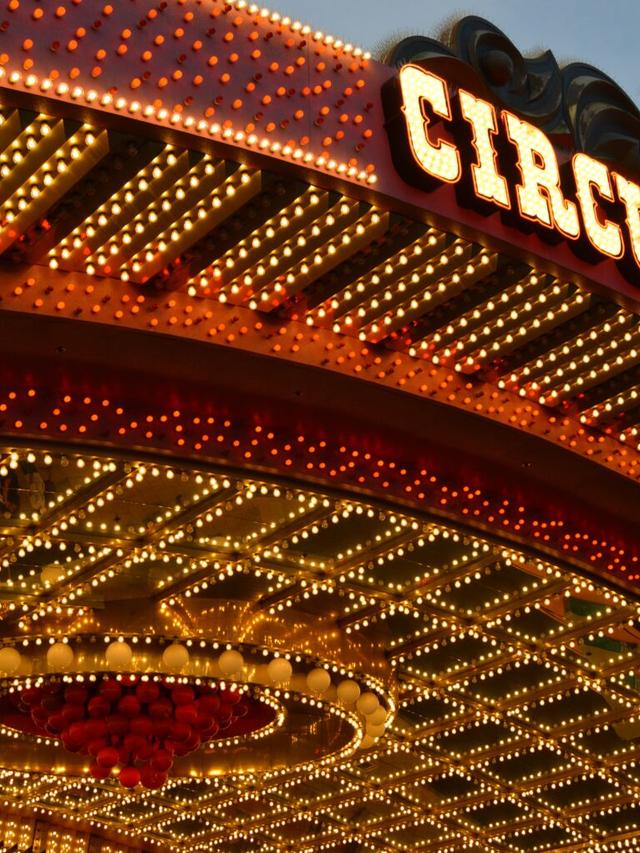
604,34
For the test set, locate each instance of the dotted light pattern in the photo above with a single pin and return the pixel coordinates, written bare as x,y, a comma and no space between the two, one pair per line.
489,184
605,235
308,454
516,703
515,721
276,79
439,159
131,236
540,196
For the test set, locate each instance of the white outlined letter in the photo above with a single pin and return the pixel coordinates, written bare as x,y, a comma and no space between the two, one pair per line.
441,160
539,195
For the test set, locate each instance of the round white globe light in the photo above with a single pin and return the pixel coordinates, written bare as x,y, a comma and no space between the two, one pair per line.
367,741
60,657
318,680
175,657
348,691
279,670
119,655
10,660
378,717
367,704
230,662
375,731
51,574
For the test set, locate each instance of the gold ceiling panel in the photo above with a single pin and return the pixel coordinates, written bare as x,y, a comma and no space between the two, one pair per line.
506,685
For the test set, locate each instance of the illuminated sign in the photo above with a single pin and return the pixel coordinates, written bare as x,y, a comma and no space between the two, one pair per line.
443,135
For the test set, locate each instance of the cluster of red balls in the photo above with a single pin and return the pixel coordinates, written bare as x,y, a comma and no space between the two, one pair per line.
130,727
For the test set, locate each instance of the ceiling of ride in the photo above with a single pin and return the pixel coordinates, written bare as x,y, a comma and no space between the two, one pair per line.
515,679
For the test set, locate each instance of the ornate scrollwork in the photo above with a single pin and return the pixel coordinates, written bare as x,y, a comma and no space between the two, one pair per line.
578,100
604,120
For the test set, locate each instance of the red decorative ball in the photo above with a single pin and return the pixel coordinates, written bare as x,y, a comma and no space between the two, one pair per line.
110,689
142,726
78,730
162,760
40,715
182,695
117,724
129,706
161,728
75,694
129,777
145,751
209,705
161,778
139,726
134,742
192,742
186,714
72,712
107,757
55,723
161,709
180,731
203,723
95,729
94,747
73,740
152,778
97,771
147,691
98,706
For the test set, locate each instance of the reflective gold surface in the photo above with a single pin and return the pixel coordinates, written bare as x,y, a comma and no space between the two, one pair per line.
508,684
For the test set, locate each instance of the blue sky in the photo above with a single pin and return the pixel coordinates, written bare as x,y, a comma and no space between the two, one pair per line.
605,34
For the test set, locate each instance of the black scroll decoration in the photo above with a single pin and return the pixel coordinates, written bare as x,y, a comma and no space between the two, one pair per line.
578,103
